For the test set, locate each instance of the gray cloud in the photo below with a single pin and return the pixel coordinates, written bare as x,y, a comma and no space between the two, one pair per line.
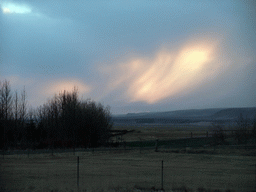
62,40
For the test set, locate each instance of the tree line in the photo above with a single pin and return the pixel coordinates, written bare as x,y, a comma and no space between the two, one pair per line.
64,121
245,130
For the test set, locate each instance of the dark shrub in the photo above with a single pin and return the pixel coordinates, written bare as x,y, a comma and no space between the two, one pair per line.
219,135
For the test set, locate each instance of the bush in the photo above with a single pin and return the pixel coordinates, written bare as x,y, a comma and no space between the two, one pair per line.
219,135
241,134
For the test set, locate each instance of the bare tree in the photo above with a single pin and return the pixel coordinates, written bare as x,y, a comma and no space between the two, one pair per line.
23,106
2,129
6,100
16,112
22,116
6,113
1,102
69,119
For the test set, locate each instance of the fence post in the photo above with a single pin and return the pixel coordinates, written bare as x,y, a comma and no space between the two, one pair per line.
207,134
191,135
162,176
78,171
124,145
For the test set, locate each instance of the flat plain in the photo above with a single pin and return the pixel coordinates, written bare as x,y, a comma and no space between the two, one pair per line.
163,131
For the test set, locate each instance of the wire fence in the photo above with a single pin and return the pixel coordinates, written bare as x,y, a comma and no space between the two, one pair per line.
191,141
155,165
134,169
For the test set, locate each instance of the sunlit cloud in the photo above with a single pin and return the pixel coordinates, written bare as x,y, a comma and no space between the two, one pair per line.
9,7
167,74
6,10
67,85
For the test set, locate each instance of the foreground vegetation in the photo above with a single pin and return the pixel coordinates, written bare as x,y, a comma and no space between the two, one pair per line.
120,170
189,165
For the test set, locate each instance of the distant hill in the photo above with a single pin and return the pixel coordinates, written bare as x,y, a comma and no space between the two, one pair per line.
177,113
233,113
191,115
187,113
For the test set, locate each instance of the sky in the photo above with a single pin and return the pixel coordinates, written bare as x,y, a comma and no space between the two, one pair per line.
134,56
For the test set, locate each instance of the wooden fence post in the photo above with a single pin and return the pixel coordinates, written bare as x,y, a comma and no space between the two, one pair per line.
162,179
78,171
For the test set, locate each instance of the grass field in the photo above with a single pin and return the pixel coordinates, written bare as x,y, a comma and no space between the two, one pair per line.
120,170
185,168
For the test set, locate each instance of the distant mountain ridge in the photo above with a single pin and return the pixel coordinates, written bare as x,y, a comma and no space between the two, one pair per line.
192,114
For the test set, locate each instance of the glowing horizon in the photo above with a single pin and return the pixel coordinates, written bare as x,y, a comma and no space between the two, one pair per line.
66,85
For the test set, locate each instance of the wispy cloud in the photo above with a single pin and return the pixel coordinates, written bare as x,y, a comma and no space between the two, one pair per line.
168,73
151,56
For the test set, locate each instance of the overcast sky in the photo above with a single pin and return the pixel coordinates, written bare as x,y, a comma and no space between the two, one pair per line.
132,55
